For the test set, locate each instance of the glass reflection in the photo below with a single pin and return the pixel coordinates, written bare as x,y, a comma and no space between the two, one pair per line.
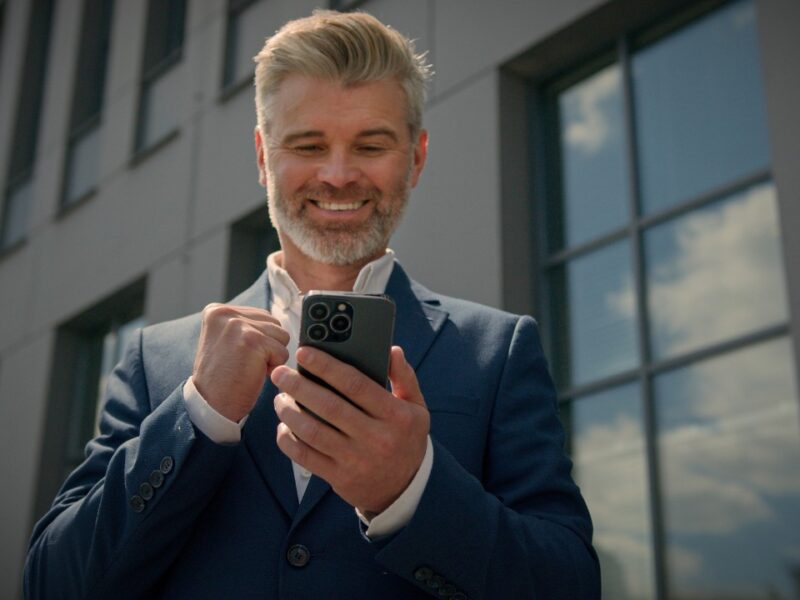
83,167
607,442
700,115
246,37
594,299
161,108
593,166
715,273
17,209
730,450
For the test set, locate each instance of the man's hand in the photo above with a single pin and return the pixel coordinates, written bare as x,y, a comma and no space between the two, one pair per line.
239,347
370,455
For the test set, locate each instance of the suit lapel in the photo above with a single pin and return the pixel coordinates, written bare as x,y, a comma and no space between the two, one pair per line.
418,320
259,431
419,316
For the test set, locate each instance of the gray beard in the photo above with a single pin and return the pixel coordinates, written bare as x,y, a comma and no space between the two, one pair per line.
343,244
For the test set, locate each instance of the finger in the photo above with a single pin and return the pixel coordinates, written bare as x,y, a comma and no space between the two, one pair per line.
347,380
277,354
217,310
403,378
303,454
324,403
306,427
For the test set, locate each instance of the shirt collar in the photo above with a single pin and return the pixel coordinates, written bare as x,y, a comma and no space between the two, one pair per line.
372,279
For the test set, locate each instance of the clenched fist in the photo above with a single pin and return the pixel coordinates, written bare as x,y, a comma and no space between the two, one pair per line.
239,347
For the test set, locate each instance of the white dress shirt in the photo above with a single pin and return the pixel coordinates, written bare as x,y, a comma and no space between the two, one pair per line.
286,303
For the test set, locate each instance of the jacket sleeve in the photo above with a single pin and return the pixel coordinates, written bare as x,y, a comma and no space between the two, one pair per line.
123,515
523,529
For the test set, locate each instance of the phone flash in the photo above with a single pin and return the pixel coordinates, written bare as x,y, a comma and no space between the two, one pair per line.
341,307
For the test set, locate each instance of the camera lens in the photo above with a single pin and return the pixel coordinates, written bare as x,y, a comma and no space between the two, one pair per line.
317,332
340,323
318,311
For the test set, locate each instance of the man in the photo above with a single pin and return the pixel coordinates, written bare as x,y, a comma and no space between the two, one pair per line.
200,485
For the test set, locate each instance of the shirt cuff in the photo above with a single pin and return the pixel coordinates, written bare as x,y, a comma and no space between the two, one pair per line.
399,513
217,428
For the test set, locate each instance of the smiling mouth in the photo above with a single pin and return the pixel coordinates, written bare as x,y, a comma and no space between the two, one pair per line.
339,206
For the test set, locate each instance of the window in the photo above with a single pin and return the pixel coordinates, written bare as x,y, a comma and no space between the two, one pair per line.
18,193
252,239
345,5
87,349
244,38
666,311
83,142
159,113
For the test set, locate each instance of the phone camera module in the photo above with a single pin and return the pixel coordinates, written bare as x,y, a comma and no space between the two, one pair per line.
317,332
340,323
319,311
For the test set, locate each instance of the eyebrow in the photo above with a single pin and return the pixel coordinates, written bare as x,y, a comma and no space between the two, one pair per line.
379,131
313,133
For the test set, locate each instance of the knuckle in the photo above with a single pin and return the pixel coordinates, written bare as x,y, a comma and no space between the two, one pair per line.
332,407
251,337
215,311
354,384
311,432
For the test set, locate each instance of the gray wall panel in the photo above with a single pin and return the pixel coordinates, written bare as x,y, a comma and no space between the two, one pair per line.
450,237
777,22
23,388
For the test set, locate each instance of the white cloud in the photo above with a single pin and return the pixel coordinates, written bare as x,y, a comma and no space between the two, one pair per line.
726,276
588,126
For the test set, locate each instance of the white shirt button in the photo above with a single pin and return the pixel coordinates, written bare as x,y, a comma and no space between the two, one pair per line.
305,473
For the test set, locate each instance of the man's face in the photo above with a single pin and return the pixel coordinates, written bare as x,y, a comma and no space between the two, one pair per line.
338,165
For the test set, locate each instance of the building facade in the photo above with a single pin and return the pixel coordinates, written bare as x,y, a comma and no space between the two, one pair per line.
624,171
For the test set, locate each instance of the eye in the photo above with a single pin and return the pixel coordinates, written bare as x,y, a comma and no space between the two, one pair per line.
370,149
308,149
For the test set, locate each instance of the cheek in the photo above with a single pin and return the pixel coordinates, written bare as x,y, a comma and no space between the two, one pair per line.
289,175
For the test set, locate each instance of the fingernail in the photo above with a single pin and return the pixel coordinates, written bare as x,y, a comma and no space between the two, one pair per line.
279,376
305,355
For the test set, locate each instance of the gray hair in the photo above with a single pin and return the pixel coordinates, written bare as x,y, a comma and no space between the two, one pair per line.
350,48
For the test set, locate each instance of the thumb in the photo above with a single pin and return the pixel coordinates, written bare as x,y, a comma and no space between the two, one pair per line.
403,378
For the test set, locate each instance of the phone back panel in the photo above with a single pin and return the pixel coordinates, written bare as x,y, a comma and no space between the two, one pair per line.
370,341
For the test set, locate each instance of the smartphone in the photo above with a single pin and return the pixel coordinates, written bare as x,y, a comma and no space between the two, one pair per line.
354,328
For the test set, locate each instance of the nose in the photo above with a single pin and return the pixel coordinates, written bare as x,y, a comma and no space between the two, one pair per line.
338,169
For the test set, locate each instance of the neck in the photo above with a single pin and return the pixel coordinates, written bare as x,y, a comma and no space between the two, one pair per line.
309,274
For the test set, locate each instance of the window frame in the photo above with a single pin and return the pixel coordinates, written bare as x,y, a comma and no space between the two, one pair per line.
618,47
150,74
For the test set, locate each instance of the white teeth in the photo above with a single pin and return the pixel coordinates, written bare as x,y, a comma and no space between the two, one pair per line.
341,205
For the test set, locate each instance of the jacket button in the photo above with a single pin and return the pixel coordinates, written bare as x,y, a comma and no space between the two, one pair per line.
447,590
166,464
146,491
137,503
423,574
156,478
298,555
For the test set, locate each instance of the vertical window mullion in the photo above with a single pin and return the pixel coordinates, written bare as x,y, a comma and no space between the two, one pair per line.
648,412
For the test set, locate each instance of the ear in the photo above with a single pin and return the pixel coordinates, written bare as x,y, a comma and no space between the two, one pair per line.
262,167
420,155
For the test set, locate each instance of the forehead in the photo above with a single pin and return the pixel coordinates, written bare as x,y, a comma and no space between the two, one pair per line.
311,104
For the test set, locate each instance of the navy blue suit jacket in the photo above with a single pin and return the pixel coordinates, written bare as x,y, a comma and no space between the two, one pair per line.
499,518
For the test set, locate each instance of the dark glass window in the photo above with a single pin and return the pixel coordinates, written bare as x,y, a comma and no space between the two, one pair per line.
159,113
244,38
87,349
252,239
18,194
345,5
667,314
83,144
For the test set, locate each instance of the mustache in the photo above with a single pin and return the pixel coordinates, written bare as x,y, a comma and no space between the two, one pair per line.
350,192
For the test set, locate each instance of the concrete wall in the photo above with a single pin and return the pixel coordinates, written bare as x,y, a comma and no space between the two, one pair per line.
167,217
